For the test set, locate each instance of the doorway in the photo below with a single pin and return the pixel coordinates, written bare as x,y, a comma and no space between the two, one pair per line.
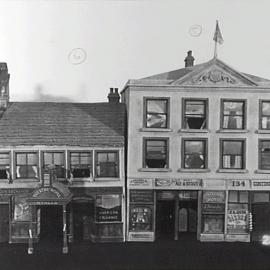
83,218
51,223
165,219
4,223
260,213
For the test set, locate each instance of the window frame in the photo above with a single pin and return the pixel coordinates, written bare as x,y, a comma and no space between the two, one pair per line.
206,111
145,139
96,152
261,101
15,164
205,141
244,115
52,152
243,167
260,141
92,163
10,165
145,100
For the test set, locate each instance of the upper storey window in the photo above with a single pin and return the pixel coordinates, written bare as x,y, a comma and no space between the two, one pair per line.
4,165
57,159
156,113
107,164
233,114
195,114
265,115
26,165
81,164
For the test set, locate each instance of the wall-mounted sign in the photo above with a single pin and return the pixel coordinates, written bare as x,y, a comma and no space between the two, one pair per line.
237,221
21,209
108,208
15,190
140,182
178,183
238,184
214,184
214,197
141,196
260,184
213,207
47,192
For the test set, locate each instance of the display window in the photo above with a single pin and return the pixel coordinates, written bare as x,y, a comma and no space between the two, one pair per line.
140,218
213,224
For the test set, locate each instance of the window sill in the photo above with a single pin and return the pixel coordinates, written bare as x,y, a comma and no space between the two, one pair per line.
154,170
155,129
194,131
26,180
182,170
232,171
263,131
232,131
105,179
262,171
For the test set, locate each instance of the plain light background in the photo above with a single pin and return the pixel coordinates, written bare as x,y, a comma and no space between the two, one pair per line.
123,40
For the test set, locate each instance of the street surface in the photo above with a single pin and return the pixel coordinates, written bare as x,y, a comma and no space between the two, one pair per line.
132,256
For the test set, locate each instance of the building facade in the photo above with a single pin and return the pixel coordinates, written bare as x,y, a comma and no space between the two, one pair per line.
62,174
198,154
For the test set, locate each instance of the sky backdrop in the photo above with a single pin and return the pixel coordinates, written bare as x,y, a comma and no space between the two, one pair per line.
123,40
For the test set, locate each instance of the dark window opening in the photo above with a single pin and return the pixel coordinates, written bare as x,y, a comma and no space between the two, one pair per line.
264,153
194,154
4,166
81,164
195,114
156,154
156,113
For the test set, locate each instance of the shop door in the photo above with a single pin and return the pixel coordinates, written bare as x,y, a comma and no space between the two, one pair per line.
188,216
261,221
51,223
4,222
165,218
83,219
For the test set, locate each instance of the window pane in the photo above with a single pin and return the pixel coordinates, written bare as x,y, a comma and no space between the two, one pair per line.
265,155
102,157
265,122
213,223
81,164
243,197
233,196
232,148
192,147
265,108
4,159
32,158
195,114
48,158
233,108
233,122
107,164
157,106
195,108
20,159
112,157
156,154
260,197
58,158
156,121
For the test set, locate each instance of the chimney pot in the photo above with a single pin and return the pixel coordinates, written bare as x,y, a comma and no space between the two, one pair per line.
189,60
111,90
116,90
113,96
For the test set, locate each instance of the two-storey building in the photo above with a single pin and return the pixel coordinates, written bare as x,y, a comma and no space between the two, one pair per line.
62,171
198,154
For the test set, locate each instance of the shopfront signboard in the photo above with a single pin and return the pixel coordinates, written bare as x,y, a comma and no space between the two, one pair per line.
214,184
141,196
213,197
140,183
260,184
238,184
213,208
178,183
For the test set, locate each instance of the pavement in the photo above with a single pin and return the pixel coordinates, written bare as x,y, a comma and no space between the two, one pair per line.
159,255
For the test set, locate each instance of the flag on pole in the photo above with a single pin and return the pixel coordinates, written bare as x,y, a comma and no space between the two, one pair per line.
217,36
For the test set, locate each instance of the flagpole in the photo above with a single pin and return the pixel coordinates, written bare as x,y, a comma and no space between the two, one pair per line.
215,51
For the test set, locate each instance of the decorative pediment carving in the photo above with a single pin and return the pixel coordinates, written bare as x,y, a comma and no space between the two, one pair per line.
215,76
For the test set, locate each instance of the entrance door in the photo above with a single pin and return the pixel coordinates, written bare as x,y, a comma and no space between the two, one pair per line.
165,217
4,222
83,217
261,221
188,216
51,223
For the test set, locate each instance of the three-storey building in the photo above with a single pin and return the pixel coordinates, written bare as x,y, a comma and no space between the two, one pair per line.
198,154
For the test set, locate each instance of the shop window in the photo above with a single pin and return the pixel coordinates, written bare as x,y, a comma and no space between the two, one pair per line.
58,160
213,211
264,154
265,115
237,213
156,112
232,154
155,153
26,165
233,114
140,218
195,114
260,197
107,164
194,154
4,166
81,164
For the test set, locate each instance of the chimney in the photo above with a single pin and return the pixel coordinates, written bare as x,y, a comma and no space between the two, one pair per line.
4,86
114,96
189,60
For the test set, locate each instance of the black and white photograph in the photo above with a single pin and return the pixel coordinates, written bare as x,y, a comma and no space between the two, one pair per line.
134,135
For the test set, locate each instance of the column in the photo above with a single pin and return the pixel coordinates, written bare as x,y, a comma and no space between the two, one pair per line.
71,229
65,246
30,239
176,217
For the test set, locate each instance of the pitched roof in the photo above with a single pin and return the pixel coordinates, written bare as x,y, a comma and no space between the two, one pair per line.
175,75
72,124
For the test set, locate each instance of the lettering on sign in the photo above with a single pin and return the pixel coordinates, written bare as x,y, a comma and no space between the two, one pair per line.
183,183
140,182
213,197
261,184
47,189
139,195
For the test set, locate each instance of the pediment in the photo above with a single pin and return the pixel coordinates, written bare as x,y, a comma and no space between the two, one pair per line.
215,73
